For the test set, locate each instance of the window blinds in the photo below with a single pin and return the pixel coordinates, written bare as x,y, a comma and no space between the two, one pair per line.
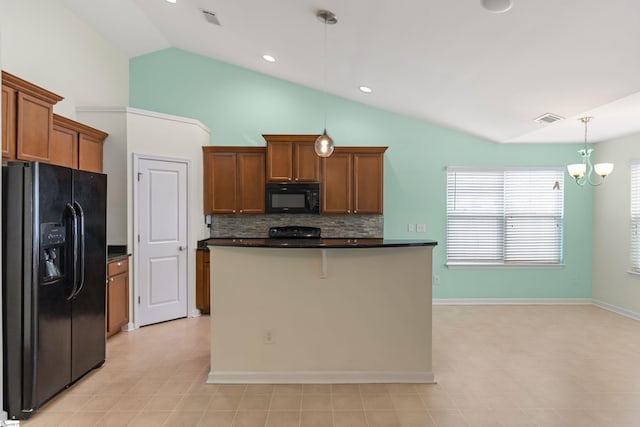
504,216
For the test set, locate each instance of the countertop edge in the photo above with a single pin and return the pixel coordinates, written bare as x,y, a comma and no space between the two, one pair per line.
317,244
117,257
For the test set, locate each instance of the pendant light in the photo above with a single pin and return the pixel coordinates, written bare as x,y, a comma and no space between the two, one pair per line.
324,144
583,172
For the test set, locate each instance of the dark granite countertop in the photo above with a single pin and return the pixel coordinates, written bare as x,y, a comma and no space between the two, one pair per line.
117,253
316,243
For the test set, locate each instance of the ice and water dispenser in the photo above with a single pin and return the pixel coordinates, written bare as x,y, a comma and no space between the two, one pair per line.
52,252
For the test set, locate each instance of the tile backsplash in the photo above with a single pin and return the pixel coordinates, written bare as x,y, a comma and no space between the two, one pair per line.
333,226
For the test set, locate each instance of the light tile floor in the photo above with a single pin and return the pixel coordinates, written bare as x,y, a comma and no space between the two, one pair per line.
507,366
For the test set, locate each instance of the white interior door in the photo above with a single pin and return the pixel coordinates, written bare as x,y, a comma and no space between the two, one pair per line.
162,234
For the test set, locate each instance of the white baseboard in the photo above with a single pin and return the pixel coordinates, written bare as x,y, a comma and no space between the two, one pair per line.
511,301
320,377
128,327
618,310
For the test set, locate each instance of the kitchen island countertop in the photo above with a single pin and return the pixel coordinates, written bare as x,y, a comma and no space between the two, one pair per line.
316,243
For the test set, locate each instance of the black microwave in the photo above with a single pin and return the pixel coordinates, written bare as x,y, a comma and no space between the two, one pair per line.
293,198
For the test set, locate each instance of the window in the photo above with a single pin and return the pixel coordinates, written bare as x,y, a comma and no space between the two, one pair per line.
635,217
508,216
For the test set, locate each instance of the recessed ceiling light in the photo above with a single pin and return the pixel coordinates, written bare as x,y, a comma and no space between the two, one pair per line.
268,58
365,89
496,6
172,1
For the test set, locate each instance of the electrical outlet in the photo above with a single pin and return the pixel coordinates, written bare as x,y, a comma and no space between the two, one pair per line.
422,228
268,338
411,228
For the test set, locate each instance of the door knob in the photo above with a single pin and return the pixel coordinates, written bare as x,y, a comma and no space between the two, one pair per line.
182,248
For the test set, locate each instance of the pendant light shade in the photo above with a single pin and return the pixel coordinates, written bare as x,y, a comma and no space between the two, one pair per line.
324,145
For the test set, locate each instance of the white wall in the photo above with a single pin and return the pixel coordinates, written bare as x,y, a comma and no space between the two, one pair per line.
171,136
45,43
133,131
612,285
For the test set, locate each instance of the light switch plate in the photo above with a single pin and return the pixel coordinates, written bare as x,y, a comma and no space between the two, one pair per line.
422,228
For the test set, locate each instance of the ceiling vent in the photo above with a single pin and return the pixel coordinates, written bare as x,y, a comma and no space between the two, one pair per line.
211,17
548,118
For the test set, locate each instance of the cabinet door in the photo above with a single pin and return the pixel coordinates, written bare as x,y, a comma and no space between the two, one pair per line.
279,161
219,172
336,184
117,303
8,123
202,280
306,163
89,153
35,125
251,183
64,147
367,183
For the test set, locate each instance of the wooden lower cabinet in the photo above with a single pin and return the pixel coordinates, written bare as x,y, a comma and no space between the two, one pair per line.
117,295
203,297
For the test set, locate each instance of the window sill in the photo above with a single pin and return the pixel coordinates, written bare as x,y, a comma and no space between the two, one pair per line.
633,274
464,266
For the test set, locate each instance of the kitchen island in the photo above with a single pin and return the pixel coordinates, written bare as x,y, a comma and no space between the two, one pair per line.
320,311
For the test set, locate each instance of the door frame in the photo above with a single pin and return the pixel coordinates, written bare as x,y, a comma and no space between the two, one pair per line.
135,290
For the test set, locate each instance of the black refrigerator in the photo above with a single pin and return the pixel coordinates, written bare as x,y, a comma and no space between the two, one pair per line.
53,280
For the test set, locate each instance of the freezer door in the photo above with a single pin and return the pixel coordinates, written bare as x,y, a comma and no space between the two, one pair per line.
52,194
37,339
88,305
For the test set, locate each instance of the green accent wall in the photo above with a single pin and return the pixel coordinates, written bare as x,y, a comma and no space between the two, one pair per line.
240,105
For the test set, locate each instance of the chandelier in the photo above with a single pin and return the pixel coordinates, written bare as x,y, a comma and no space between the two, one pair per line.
584,172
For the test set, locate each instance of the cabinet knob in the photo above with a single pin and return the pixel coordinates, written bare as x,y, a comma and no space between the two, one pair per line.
240,210
355,212
111,280
234,211
119,264
348,210
296,179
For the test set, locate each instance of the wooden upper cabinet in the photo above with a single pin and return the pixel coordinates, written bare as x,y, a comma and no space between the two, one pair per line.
368,182
9,106
337,183
64,146
76,145
234,180
352,181
90,152
251,186
29,119
292,158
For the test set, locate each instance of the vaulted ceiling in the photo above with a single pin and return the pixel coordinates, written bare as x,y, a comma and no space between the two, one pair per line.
449,62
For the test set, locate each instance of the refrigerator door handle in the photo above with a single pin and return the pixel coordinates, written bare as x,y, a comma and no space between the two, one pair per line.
80,214
74,238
